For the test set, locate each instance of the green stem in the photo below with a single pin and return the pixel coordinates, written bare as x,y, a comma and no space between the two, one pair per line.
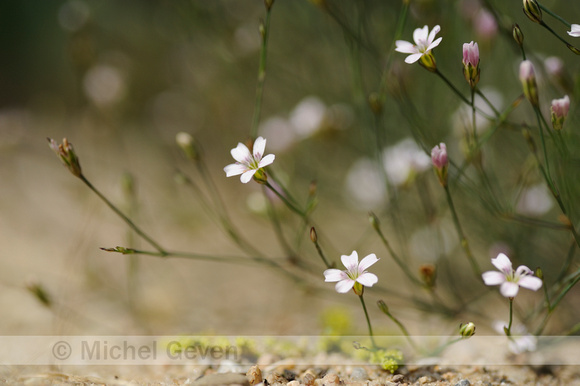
285,200
123,217
460,95
362,301
403,329
555,16
463,239
570,46
508,331
261,74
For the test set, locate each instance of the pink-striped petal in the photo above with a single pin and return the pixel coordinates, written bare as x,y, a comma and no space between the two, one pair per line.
502,263
493,278
267,160
367,262
332,275
247,176
432,35
241,153
235,169
420,35
350,261
259,147
530,282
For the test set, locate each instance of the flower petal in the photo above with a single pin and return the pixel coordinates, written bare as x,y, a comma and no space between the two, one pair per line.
368,279
434,32
530,282
523,270
334,275
259,147
235,169
367,262
350,262
434,44
267,160
493,278
509,289
405,47
574,30
413,58
241,153
420,35
344,286
503,263
247,176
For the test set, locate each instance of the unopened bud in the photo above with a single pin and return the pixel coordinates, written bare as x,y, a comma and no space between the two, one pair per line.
559,111
383,307
262,30
528,79
540,273
39,293
313,235
268,4
471,69
467,330
440,162
518,35
428,274
67,155
374,220
533,11
187,143
375,102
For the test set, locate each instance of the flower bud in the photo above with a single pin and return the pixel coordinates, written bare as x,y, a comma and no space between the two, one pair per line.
428,274
518,35
39,293
313,235
471,63
268,4
374,220
467,330
383,307
559,111
67,155
533,11
440,162
375,103
528,79
540,273
186,142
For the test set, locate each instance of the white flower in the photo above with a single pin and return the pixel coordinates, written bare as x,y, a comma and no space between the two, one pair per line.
509,280
424,43
355,272
574,30
247,163
520,340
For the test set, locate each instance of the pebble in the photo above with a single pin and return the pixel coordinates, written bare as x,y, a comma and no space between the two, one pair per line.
293,383
463,382
425,379
359,374
275,378
329,380
222,379
254,375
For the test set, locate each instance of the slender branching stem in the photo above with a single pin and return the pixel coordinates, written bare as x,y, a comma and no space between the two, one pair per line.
362,301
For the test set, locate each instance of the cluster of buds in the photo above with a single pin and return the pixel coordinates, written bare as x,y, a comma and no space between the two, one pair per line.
528,79
67,155
471,63
440,162
559,111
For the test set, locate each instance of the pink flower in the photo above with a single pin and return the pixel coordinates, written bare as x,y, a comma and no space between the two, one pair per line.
355,273
559,111
424,43
248,163
470,54
510,281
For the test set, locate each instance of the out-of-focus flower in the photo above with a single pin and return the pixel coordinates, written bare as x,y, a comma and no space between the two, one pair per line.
424,42
535,201
104,84
403,161
520,340
440,162
485,24
467,330
67,155
508,280
559,111
574,30
308,116
554,66
355,276
281,133
249,162
462,117
528,79
365,185
186,142
471,63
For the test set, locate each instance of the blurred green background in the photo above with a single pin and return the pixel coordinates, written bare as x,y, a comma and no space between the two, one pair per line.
120,79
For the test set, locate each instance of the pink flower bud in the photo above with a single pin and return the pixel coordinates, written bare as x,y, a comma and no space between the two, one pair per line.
471,63
559,111
439,156
528,79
